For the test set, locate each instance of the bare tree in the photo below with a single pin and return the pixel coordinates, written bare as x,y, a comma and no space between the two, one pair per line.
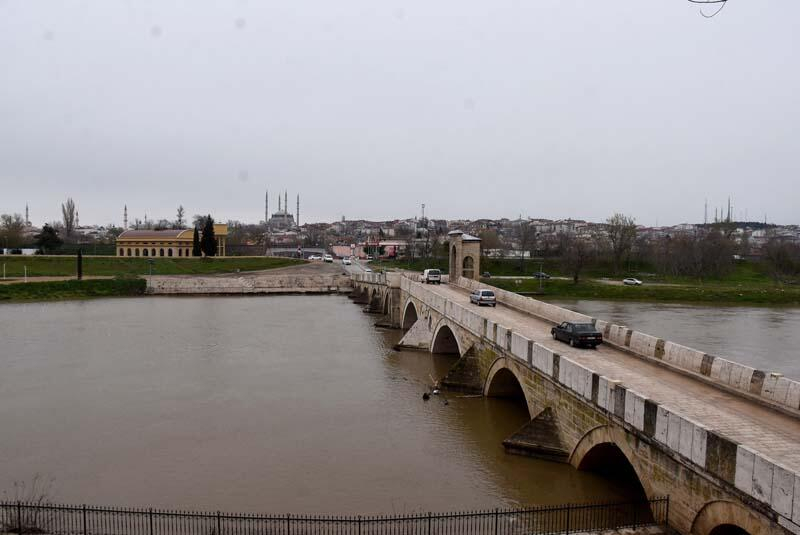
68,215
621,235
783,259
11,230
527,243
180,220
576,254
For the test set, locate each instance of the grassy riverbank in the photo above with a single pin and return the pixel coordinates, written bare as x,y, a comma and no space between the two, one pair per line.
72,289
54,266
715,292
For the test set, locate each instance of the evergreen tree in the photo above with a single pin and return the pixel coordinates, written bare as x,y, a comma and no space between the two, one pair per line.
196,243
48,240
208,242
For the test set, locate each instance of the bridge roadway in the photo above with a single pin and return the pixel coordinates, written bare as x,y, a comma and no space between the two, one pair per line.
738,418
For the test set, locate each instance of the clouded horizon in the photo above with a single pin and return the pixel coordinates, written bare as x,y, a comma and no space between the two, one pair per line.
367,109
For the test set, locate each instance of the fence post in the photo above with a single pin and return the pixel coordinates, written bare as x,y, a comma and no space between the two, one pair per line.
568,511
359,524
84,519
288,523
19,517
666,517
150,516
429,523
496,519
219,524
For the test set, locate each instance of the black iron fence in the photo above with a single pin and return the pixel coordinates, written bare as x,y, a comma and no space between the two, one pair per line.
35,518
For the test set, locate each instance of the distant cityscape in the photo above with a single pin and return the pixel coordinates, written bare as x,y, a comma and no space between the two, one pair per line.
282,231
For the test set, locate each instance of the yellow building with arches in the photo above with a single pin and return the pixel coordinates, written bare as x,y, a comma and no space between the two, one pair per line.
165,243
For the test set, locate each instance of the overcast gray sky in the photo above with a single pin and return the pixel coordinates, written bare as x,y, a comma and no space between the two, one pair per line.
367,108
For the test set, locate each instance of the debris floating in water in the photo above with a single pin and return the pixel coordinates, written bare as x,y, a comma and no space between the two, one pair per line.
426,396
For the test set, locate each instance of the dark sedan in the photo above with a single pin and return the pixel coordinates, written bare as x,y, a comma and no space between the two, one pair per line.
541,275
577,334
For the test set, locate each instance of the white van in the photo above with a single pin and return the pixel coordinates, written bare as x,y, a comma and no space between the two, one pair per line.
432,276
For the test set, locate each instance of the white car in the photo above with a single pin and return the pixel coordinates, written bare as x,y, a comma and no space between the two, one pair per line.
327,258
346,261
432,276
631,282
367,270
315,257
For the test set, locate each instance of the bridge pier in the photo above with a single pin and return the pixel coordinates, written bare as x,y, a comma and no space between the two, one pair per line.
540,438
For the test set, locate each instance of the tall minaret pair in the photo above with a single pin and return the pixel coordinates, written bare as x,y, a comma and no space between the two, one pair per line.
281,208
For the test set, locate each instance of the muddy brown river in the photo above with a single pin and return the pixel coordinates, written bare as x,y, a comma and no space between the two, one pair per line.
269,404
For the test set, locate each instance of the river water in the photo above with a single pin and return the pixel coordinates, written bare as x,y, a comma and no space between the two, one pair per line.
761,337
269,404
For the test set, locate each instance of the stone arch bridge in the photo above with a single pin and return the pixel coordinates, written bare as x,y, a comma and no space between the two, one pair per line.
721,439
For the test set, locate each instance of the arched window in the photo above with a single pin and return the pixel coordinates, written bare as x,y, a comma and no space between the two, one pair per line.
469,267
180,252
153,251
161,252
121,251
145,252
129,252
169,251
137,251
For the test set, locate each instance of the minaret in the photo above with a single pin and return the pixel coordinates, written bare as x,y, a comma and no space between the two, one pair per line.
266,208
279,202
27,216
77,219
125,218
297,221
286,200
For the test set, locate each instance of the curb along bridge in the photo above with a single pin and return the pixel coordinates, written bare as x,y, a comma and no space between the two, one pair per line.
721,439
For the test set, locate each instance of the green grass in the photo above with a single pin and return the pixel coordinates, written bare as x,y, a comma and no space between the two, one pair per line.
115,266
72,289
742,294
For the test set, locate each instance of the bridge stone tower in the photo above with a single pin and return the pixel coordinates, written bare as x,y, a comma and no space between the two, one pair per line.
465,256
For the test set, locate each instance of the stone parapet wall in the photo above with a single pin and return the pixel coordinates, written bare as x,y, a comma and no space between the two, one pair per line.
770,387
249,284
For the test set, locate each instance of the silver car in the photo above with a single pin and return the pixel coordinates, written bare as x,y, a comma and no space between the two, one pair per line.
483,297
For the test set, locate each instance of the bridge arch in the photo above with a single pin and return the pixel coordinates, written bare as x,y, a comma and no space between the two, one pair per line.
386,303
410,315
729,518
604,449
445,340
502,382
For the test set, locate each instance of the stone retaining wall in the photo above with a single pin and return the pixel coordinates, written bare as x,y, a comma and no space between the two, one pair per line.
248,284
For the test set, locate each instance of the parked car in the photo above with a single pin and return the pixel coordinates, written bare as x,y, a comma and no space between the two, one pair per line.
367,270
486,275
347,261
432,276
631,282
483,297
541,275
577,334
315,257
327,258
